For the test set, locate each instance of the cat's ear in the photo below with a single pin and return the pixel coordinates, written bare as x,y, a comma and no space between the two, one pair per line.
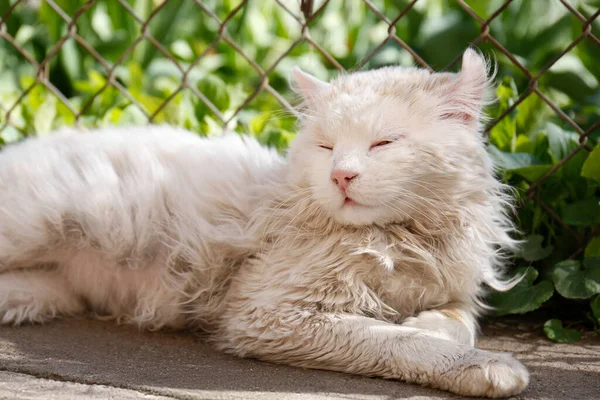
466,95
306,85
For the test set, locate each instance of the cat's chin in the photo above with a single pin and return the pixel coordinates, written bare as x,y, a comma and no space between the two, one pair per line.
354,213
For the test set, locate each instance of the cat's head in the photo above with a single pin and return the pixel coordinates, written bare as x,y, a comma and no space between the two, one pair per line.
391,144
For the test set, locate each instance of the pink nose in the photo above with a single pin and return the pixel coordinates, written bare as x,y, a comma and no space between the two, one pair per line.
342,178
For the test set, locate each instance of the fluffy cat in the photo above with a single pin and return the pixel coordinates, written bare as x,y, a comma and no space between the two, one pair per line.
364,250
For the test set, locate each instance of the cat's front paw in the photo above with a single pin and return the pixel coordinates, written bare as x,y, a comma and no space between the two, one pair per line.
489,374
444,325
19,315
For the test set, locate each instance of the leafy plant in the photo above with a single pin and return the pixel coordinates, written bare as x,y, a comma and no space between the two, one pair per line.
559,212
555,331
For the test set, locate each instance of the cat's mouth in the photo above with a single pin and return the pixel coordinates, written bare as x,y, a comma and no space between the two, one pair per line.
349,202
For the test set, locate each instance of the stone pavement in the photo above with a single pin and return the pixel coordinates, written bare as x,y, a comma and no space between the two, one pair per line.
87,359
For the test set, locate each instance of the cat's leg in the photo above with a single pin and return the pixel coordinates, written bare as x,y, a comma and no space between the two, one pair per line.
138,296
451,322
361,345
36,295
145,295
29,244
22,244
134,291
30,233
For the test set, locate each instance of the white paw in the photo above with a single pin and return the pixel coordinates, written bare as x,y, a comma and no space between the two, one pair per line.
34,297
441,326
490,375
18,303
21,314
506,378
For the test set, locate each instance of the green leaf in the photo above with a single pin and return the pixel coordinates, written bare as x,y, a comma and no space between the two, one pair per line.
571,170
101,22
182,49
511,161
132,115
216,91
583,213
561,142
44,116
503,134
507,93
442,36
280,139
532,111
591,167
135,75
571,76
556,332
524,296
70,58
161,27
259,122
533,172
553,189
112,116
532,249
24,34
574,282
592,250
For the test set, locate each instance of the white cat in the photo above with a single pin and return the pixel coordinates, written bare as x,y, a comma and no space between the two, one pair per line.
365,250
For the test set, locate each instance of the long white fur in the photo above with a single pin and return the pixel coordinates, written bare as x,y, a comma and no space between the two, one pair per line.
157,227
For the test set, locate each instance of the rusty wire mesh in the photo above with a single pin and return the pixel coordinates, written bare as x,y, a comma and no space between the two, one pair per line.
305,13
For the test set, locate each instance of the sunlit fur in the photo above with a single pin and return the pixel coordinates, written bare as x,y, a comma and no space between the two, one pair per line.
157,227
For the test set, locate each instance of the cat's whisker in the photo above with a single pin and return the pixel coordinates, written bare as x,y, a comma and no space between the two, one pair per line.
433,206
414,208
434,191
396,206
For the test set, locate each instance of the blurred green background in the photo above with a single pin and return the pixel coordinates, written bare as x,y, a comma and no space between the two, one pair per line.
109,73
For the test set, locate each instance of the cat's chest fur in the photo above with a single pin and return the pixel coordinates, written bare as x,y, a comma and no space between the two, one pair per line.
400,282
408,293
373,272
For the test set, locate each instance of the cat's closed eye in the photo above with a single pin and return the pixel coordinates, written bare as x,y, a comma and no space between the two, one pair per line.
326,147
381,143
391,140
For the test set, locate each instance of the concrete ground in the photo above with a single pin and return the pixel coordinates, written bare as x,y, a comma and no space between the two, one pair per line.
86,359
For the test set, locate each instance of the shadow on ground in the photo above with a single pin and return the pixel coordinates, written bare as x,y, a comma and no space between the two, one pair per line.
180,365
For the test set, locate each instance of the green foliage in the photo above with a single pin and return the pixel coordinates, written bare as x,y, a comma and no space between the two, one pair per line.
576,280
559,260
591,167
555,331
593,248
526,153
525,296
524,157
532,249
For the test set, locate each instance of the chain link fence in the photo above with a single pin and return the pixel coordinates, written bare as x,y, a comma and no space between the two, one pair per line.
304,16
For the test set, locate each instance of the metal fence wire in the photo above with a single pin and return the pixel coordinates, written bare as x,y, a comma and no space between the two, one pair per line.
304,13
